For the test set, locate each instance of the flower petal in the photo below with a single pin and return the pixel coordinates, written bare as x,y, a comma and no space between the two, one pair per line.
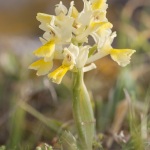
99,16
83,56
41,66
121,56
94,26
63,29
99,4
89,67
44,27
60,8
84,18
74,50
73,12
43,41
70,55
58,74
48,36
44,18
46,50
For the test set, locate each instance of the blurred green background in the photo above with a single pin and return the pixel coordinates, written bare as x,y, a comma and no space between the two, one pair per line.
34,111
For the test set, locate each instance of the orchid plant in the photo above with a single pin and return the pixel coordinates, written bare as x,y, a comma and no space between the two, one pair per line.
66,37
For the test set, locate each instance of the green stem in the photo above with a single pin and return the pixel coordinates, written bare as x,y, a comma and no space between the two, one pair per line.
83,113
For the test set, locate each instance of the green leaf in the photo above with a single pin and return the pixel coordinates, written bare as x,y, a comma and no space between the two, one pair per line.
68,141
92,50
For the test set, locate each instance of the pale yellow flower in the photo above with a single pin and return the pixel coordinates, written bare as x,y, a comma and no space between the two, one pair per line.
69,62
121,56
62,28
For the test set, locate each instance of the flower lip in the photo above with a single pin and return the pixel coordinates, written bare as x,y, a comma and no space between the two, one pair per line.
122,57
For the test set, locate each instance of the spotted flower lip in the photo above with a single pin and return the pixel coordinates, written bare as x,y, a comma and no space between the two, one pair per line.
66,37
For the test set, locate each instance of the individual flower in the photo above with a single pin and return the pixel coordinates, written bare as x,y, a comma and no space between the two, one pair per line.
66,37
69,62
121,56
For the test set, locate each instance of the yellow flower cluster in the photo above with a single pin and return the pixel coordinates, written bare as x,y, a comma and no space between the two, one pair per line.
66,37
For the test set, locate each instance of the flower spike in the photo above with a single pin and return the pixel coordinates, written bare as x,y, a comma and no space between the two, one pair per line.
66,37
